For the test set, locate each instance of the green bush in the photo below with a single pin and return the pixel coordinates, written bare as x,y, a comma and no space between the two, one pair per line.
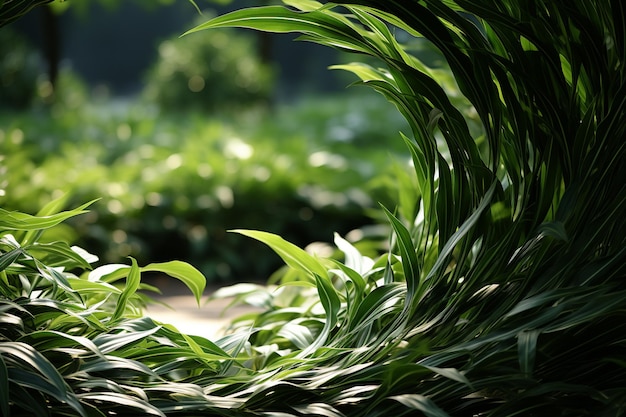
209,73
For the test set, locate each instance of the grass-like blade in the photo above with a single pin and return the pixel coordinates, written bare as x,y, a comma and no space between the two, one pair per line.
291,254
182,271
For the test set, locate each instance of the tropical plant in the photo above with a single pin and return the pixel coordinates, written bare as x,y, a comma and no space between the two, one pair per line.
503,292
73,340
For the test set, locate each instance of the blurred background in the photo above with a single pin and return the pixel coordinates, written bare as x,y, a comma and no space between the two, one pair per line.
183,138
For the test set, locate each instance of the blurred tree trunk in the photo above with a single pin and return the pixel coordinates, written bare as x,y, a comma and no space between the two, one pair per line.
52,43
265,40
265,46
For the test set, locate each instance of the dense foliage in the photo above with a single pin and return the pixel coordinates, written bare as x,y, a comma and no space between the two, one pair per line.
502,292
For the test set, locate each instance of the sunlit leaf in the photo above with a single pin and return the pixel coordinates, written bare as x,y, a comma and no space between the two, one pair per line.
292,255
182,271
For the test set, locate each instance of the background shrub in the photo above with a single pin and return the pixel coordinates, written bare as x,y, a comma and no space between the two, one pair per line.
209,73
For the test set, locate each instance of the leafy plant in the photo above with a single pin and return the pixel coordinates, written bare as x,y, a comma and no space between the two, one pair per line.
505,280
502,292
73,340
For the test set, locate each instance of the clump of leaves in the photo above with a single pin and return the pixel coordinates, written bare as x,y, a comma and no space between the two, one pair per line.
73,340
503,292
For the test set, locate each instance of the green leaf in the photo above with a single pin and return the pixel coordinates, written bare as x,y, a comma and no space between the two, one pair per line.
420,403
14,220
451,373
527,350
108,343
38,373
555,230
9,257
132,284
56,278
57,254
186,273
300,336
292,255
125,400
410,264
354,259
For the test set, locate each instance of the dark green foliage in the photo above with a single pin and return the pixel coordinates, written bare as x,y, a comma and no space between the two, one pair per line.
513,268
14,9
19,68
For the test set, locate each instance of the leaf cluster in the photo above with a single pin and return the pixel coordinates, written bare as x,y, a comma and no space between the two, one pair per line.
503,291
73,340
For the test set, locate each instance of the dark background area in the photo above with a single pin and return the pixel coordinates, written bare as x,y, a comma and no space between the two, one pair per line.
116,46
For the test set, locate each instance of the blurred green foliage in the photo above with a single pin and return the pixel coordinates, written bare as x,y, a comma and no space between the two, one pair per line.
216,71
172,185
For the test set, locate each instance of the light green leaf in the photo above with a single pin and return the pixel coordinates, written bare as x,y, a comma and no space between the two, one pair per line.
14,220
108,273
108,343
354,259
297,334
305,5
292,255
450,373
9,257
319,409
57,254
186,273
132,284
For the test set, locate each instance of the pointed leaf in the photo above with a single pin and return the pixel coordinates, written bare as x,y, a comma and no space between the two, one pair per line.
420,403
132,284
186,273
292,255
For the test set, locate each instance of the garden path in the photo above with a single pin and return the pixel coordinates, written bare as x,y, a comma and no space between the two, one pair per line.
181,310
